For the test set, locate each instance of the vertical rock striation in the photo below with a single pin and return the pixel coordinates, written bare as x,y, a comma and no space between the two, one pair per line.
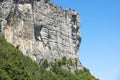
42,30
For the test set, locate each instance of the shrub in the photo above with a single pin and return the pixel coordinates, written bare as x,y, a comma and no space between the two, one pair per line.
45,63
0,26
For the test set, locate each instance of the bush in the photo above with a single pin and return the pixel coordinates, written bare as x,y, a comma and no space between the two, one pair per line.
45,63
0,26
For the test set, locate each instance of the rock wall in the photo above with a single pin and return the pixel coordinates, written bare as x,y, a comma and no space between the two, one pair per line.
42,30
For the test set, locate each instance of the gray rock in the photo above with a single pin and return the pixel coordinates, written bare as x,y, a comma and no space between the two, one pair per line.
42,30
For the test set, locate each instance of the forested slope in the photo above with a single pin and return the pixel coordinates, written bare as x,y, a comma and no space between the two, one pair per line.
15,66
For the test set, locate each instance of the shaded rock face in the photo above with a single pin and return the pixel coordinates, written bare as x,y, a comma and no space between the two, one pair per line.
42,31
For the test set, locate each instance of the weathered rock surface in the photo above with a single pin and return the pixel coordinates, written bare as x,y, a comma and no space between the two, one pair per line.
42,30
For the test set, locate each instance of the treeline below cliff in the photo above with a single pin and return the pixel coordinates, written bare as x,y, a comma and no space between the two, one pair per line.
15,66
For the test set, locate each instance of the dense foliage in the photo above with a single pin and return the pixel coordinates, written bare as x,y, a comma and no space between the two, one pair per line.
15,66
0,26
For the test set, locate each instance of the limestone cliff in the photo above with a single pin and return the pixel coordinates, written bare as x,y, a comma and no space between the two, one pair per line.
42,30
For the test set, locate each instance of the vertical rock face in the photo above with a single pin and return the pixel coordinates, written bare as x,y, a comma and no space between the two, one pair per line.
42,30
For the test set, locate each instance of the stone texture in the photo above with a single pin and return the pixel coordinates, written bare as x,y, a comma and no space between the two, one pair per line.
42,30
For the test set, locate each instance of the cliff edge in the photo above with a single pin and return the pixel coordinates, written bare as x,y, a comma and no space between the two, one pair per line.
42,31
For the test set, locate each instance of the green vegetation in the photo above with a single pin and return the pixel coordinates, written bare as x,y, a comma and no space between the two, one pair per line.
45,64
15,66
0,26
64,61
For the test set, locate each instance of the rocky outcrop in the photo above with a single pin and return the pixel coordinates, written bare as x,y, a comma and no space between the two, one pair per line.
42,30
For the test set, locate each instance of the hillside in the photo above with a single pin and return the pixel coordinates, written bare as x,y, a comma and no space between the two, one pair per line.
15,66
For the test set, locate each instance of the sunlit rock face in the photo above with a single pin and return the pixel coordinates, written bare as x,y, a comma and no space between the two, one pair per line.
42,30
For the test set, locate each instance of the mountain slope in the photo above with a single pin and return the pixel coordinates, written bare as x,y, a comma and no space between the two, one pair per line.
15,66
43,31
